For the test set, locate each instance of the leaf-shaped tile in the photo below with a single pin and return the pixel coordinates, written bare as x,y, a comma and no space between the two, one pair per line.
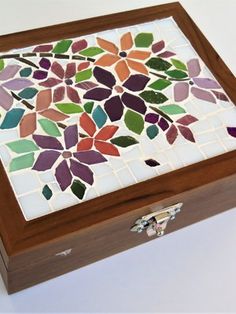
22,146
172,109
134,121
158,64
21,162
153,97
124,141
62,46
143,40
12,118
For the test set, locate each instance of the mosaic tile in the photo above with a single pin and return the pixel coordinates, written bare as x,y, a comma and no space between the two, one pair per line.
86,116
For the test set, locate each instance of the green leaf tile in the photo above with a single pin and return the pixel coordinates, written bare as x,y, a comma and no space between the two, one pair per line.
62,46
179,64
158,64
91,51
160,84
1,64
83,75
153,97
12,118
178,74
143,40
124,141
172,109
88,107
49,127
22,146
78,188
134,121
69,108
21,162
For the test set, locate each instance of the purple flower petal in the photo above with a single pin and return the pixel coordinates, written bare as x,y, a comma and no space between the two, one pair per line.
220,95
187,133
206,83
63,175
181,91
45,63
90,157
45,141
86,85
6,100
46,160
171,134
232,131
9,72
17,84
40,75
50,82
71,136
186,120
163,124
136,82
152,118
97,93
158,46
104,77
134,102
166,54
114,108
194,68
81,171
203,94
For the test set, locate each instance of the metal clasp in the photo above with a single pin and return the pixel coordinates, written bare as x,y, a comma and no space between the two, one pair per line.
155,223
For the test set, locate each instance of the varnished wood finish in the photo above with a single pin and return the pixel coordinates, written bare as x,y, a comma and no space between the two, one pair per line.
100,227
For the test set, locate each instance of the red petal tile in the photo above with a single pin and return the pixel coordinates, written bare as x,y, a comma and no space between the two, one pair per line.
87,124
106,148
106,132
85,144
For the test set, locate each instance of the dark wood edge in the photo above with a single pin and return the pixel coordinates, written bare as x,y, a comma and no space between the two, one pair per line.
19,236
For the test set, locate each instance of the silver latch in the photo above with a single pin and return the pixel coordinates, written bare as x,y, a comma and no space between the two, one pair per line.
155,223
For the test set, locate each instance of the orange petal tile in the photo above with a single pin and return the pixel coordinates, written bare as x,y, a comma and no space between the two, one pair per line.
107,45
28,124
85,144
126,41
107,60
106,132
53,114
106,148
137,66
44,99
83,65
137,54
87,124
122,70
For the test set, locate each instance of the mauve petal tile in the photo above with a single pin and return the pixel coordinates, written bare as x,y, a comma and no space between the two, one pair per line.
194,68
63,175
57,69
9,72
203,94
70,70
81,171
6,100
48,142
59,94
17,84
181,91
206,83
46,160
71,136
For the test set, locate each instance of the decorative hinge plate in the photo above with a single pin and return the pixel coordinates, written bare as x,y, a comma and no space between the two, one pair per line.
155,223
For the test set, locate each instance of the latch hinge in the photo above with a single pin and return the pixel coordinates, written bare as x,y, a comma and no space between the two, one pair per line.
156,222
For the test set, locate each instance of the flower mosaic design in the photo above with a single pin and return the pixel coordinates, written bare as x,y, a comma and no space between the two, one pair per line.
82,105
124,57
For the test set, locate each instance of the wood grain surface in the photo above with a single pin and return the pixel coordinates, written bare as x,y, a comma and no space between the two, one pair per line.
100,227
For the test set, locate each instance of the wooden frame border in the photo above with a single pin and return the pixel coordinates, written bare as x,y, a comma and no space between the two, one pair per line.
19,236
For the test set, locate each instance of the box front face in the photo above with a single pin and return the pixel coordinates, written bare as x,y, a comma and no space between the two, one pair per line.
86,116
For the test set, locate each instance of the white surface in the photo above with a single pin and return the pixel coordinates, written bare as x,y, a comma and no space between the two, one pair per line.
192,270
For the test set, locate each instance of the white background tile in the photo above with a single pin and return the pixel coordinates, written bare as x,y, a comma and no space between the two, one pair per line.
192,270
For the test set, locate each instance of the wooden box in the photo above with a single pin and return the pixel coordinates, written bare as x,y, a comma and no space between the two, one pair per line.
104,121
